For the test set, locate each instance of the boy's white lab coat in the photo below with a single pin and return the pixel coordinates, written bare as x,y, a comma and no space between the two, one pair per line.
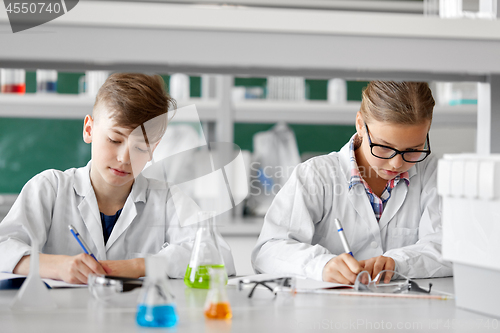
299,234
149,222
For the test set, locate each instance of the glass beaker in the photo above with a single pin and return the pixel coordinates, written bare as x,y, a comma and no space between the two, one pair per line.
179,87
217,304
90,83
206,253
337,91
13,81
156,307
46,81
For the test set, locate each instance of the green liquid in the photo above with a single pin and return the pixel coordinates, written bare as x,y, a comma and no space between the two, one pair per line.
201,277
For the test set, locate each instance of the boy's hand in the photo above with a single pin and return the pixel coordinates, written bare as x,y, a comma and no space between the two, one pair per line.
70,269
132,268
377,264
342,269
76,269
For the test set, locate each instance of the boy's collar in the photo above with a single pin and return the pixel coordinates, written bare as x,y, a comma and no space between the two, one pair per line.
138,192
82,183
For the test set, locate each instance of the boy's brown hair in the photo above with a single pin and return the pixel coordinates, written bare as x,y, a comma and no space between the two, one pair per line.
133,99
395,102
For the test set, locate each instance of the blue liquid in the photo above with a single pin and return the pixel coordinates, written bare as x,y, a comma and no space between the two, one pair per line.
47,86
156,316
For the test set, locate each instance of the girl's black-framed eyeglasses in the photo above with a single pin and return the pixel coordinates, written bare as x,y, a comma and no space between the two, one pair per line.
386,152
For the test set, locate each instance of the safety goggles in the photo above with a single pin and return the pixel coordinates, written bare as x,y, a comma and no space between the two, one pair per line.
387,281
268,288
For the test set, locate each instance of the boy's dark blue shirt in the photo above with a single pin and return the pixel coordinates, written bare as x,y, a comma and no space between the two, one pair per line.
108,222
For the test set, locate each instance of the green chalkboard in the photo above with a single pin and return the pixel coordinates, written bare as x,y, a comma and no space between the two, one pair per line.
310,138
29,146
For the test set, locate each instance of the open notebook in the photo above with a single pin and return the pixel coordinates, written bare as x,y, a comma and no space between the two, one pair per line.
304,285
14,281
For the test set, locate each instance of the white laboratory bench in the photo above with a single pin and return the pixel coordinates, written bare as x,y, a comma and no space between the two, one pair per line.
78,311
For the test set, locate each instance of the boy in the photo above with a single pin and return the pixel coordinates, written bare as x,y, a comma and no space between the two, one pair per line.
121,215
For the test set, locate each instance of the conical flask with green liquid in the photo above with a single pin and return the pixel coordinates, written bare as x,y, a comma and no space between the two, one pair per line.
205,254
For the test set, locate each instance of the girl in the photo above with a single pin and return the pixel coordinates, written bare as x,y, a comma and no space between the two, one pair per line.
381,185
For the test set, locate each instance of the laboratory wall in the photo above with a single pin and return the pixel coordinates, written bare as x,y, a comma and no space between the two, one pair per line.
29,146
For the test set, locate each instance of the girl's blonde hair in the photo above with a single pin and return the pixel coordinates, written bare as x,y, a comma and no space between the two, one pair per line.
405,103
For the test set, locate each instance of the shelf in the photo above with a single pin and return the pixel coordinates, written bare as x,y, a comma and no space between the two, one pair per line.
261,42
256,41
455,115
45,106
319,112
305,112
250,111
392,6
77,107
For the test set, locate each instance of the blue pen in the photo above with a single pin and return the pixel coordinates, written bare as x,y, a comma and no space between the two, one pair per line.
80,241
347,249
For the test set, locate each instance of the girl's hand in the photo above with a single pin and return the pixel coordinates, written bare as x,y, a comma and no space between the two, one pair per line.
377,264
342,269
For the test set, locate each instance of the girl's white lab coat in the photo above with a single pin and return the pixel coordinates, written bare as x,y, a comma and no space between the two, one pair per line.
299,234
149,222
